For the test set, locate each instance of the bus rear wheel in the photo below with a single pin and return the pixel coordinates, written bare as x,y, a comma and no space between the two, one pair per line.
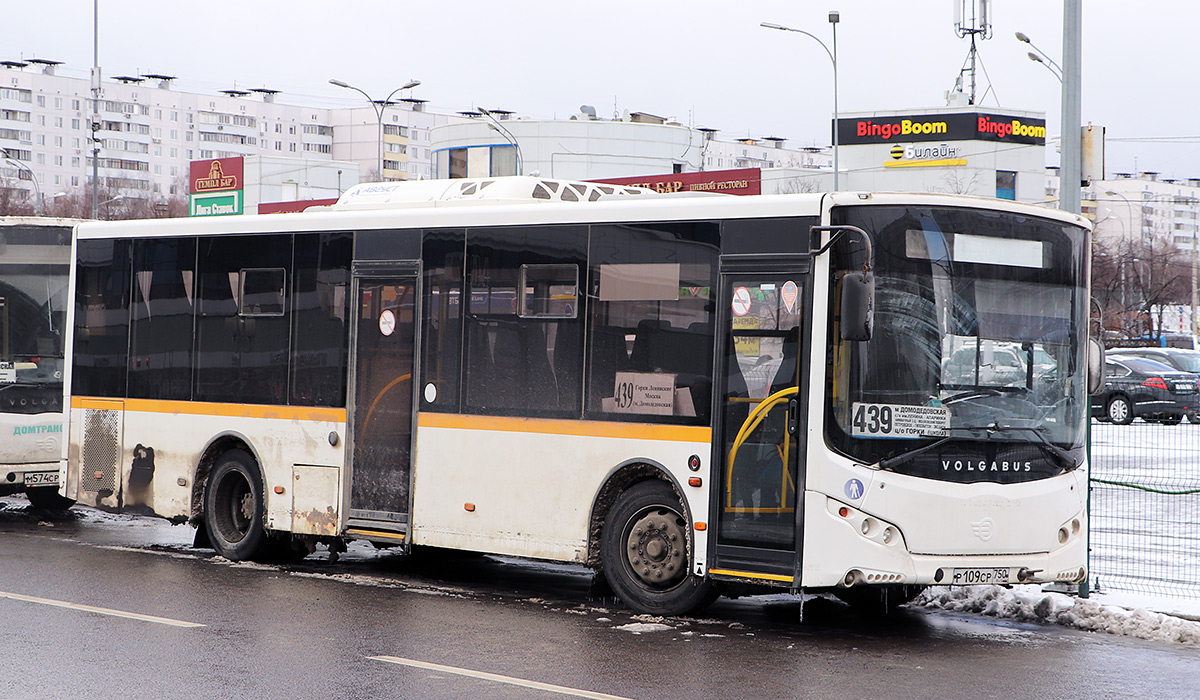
644,553
234,508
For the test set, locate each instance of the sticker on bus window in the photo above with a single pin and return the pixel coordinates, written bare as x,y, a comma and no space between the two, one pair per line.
8,373
741,301
789,293
387,322
642,392
882,420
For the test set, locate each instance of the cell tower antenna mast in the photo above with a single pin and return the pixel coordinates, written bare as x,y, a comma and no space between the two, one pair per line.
972,19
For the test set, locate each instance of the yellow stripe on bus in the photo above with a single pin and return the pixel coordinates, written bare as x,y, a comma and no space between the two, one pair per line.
580,428
202,408
747,574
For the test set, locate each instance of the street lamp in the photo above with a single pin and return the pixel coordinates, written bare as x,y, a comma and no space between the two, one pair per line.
118,198
37,191
379,106
496,126
1040,56
834,18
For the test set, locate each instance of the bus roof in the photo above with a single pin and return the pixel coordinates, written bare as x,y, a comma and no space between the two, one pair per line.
495,190
523,200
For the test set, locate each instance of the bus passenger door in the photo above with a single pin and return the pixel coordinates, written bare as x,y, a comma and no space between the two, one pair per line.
380,450
758,439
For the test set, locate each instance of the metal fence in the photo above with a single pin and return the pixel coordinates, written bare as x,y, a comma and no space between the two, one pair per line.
1145,508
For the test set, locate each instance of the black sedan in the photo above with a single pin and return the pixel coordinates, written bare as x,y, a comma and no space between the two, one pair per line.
1179,358
1150,390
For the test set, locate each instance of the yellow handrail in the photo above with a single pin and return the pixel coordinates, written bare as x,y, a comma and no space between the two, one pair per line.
752,421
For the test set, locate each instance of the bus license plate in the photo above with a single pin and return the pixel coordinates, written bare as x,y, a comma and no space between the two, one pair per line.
966,577
41,478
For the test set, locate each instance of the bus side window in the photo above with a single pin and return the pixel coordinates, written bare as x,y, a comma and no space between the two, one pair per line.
523,328
650,341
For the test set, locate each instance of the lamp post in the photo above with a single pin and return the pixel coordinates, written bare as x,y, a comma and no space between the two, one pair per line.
379,106
118,198
834,18
495,124
1039,56
37,190
1071,160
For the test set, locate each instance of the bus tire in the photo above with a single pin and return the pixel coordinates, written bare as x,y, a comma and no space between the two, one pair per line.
47,498
644,552
234,508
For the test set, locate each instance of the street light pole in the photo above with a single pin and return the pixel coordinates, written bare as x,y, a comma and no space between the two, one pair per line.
1071,161
508,135
834,18
379,106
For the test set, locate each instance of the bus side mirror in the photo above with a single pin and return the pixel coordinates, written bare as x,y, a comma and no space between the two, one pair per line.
1095,367
857,312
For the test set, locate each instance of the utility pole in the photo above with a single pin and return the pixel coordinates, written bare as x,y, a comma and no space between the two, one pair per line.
1071,164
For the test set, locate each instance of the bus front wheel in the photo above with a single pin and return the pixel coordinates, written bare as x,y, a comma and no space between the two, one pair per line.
644,552
233,507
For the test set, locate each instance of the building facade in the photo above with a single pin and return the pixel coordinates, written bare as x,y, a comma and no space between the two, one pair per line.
147,132
987,152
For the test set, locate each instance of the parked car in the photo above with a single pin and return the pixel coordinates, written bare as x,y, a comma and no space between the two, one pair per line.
1152,391
1179,358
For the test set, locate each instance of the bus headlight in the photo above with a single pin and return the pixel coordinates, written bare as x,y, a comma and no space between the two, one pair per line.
868,526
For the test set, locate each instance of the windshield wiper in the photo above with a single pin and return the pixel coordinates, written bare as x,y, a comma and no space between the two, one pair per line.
1061,456
887,464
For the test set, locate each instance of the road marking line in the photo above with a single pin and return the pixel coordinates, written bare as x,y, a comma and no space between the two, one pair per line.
101,611
498,678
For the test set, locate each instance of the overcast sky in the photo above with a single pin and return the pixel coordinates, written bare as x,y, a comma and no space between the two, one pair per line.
705,63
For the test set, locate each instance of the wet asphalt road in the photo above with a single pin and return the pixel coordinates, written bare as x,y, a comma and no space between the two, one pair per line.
371,625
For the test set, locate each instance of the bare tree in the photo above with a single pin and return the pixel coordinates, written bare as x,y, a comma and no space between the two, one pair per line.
1134,279
15,200
955,183
797,185
77,204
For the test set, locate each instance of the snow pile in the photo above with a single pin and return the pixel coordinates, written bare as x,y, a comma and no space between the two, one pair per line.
1031,604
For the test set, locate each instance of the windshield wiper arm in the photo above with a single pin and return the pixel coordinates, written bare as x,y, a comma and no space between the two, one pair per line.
888,463
1064,458
1061,456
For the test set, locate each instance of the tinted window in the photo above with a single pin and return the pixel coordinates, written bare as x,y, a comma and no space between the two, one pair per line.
651,290
162,309
515,365
442,319
320,304
101,319
242,359
767,235
1143,365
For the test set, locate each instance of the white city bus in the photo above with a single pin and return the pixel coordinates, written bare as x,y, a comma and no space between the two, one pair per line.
35,262
691,394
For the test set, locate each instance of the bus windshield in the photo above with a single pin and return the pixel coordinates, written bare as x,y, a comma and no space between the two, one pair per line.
975,369
34,264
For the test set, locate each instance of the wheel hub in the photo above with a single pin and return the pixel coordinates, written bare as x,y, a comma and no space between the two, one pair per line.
655,547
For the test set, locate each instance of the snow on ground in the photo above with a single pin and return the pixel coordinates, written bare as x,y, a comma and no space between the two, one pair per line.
1094,614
